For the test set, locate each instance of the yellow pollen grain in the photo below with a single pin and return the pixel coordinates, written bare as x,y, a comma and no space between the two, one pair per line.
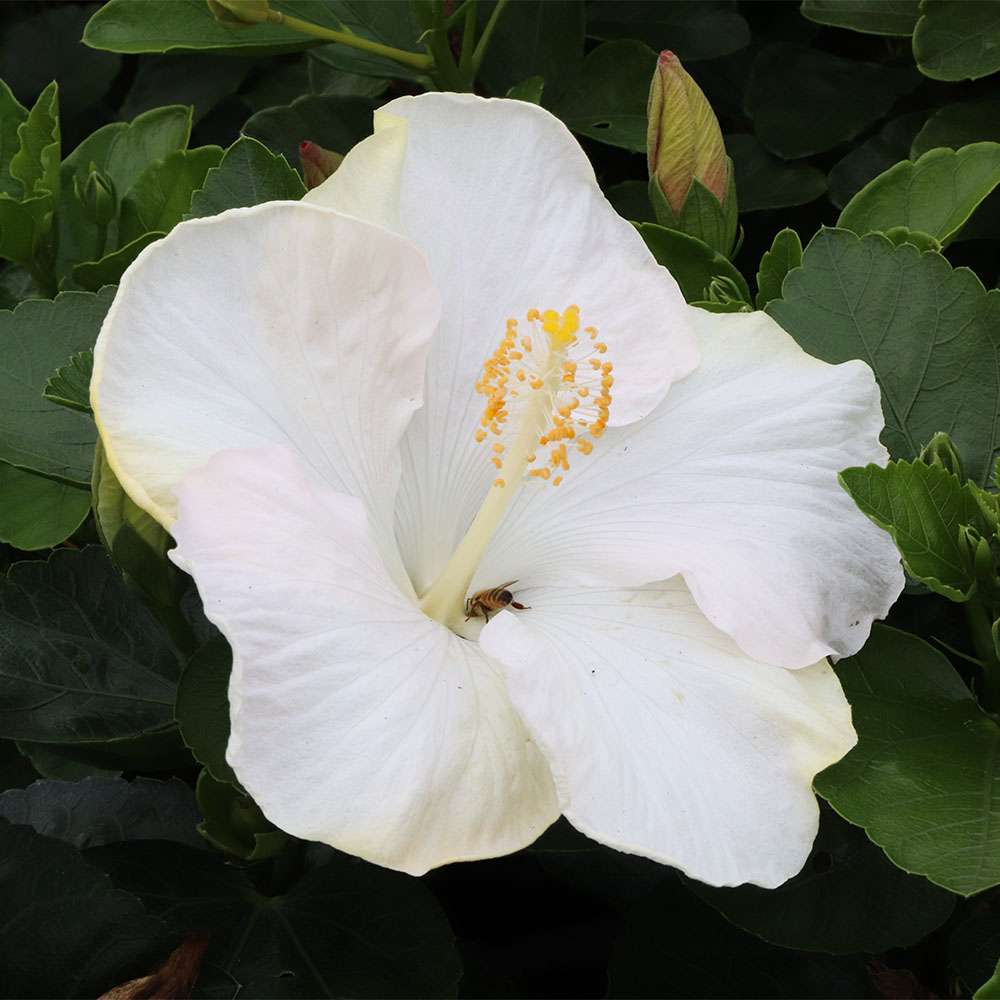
497,447
557,481
542,473
585,446
499,482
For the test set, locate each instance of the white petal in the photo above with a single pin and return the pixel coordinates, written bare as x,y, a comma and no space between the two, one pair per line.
664,739
733,483
366,184
503,201
356,720
279,324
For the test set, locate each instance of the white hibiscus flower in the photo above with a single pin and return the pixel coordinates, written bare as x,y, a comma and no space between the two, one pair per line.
450,373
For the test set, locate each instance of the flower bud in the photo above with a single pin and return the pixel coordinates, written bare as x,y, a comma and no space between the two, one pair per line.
97,196
317,163
941,450
978,554
683,141
240,13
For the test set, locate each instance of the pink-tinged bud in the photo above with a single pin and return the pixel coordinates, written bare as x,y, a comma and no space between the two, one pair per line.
317,163
684,141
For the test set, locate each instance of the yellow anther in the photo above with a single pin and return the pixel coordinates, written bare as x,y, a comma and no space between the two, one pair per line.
536,382
498,448
533,315
497,463
583,392
585,446
520,375
542,473
557,481
526,343
499,482
600,347
480,436
595,364
530,458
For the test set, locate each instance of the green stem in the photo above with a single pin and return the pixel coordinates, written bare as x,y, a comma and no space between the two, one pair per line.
484,39
981,628
468,43
424,63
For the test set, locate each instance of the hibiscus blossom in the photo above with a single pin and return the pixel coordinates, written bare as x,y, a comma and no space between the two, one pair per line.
458,369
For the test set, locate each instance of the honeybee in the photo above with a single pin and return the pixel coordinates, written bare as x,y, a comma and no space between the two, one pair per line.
486,602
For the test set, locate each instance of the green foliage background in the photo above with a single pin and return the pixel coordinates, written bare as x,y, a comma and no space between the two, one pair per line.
865,140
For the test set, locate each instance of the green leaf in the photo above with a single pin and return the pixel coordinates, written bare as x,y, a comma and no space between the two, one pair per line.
38,337
990,990
898,235
37,512
83,660
673,945
535,38
693,29
36,163
703,216
121,151
95,274
12,114
69,385
937,194
182,26
872,157
344,929
763,181
958,125
202,709
69,932
692,263
607,101
98,811
529,90
973,948
785,255
160,198
336,123
60,763
957,39
846,301
135,540
848,898
921,507
924,779
873,17
805,101
383,21
248,174
234,823
630,199
15,769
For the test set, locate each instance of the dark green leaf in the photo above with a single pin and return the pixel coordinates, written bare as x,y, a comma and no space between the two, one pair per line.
673,945
848,898
94,275
957,39
535,38
805,101
764,181
67,931
937,194
692,263
847,301
99,811
345,929
12,114
38,337
81,658
924,779
874,156
15,769
233,822
608,100
336,123
529,90
630,200
69,385
784,255
181,26
898,235
248,174
922,507
37,512
161,197
36,163
874,17
202,708
61,764
136,541
693,29
958,125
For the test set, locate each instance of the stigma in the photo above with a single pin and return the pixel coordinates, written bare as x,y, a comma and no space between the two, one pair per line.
547,398
552,361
